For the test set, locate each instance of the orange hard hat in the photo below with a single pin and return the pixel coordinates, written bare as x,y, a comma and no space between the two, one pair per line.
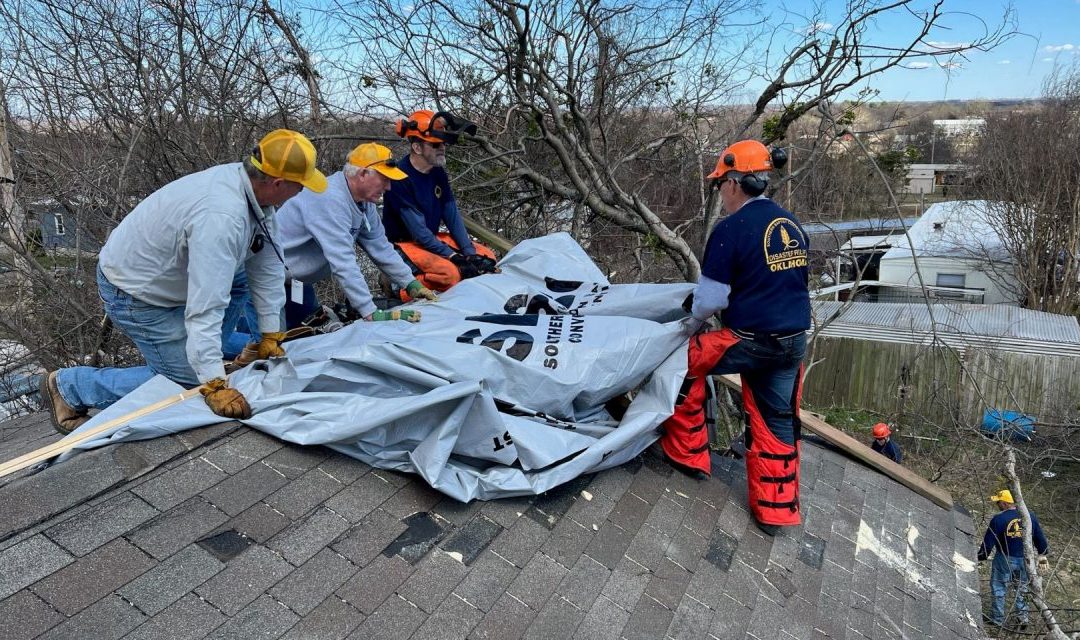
881,430
422,125
745,156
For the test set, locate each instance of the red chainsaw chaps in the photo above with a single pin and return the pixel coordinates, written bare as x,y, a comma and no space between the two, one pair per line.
434,271
685,439
772,467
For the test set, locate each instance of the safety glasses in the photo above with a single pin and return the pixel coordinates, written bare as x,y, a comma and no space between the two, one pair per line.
389,162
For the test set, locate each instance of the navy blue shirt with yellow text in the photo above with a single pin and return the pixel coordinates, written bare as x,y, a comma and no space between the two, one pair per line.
1006,534
761,251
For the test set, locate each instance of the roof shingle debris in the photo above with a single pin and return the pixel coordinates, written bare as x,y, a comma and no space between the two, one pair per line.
224,532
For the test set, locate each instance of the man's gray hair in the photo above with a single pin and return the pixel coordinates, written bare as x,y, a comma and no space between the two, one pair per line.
254,172
350,169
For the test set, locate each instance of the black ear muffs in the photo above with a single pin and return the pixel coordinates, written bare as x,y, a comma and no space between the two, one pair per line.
403,127
752,185
779,157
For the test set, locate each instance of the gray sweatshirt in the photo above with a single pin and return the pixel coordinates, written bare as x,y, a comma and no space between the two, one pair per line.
181,247
318,232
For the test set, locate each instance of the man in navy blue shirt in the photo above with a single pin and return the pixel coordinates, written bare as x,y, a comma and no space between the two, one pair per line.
414,208
1005,539
883,443
754,275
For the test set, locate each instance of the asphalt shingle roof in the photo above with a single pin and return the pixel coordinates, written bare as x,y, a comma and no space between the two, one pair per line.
224,532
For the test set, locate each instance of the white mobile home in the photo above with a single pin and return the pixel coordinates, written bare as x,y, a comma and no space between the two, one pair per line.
955,246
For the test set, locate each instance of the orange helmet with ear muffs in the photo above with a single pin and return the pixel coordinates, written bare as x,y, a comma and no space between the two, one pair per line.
422,125
429,126
749,157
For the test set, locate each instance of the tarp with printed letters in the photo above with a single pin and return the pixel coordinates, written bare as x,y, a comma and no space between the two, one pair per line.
498,391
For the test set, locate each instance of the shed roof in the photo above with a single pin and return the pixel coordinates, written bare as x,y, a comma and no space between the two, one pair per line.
959,229
990,325
226,532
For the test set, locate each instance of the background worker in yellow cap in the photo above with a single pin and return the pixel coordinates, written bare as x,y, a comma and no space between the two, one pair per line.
1005,536
166,273
319,232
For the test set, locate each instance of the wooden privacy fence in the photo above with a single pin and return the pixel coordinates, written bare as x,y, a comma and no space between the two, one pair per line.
941,382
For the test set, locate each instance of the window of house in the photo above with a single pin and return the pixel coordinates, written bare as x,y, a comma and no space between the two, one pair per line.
58,221
956,280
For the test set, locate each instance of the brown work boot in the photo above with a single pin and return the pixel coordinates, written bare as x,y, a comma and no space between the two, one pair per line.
65,418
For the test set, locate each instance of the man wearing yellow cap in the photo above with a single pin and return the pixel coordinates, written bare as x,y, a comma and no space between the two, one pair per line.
166,273
1005,536
318,233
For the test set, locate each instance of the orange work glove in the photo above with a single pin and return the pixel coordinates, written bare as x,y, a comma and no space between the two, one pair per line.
224,400
270,345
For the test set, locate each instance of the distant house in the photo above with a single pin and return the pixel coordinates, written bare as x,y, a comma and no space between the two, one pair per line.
960,126
935,178
59,229
958,249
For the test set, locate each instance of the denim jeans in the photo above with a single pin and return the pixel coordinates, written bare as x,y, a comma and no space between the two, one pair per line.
158,332
244,316
770,367
240,324
1003,571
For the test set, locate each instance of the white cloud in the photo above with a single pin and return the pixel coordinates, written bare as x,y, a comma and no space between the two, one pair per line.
819,27
923,65
1010,61
1054,48
949,66
1049,59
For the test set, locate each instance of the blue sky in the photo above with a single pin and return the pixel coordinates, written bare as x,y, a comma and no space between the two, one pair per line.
1049,36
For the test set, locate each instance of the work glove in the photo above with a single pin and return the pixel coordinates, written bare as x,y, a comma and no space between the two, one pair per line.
224,400
466,268
482,264
417,291
270,345
405,314
1043,565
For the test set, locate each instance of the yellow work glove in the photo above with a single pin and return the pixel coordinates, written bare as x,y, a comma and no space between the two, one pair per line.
407,314
417,291
270,345
224,400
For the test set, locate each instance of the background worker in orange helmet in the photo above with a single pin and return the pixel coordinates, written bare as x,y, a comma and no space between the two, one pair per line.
414,208
754,274
884,445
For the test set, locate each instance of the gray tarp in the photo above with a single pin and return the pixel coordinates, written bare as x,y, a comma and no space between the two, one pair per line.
499,391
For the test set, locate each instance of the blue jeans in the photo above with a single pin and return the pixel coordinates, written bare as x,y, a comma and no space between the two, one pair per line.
240,324
1003,571
158,332
770,367
295,313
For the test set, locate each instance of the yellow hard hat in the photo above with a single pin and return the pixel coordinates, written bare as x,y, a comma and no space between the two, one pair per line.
288,155
1002,496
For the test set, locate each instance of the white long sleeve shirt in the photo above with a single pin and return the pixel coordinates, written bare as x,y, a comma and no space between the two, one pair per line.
183,244
318,232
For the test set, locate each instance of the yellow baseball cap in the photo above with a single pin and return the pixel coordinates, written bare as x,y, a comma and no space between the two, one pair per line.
375,156
1002,496
288,155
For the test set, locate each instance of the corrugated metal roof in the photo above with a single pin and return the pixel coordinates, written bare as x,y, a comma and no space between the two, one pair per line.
987,325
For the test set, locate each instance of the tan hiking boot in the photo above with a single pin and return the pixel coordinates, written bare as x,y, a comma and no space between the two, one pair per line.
65,418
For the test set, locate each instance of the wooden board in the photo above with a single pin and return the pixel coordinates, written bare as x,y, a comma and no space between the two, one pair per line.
863,453
69,442
487,236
